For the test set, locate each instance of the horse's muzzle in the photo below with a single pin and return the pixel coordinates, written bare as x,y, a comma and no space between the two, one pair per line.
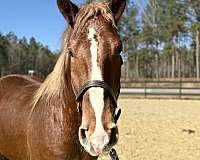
98,144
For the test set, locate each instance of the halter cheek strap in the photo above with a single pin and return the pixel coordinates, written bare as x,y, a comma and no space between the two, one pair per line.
96,83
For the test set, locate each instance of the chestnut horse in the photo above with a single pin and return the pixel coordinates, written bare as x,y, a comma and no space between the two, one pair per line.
39,120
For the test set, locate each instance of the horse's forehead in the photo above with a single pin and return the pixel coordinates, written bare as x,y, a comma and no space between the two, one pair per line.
104,30
101,29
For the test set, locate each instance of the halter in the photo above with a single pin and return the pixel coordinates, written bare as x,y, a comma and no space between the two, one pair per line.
99,84
96,83
107,87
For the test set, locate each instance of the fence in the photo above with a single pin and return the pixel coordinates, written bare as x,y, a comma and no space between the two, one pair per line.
149,88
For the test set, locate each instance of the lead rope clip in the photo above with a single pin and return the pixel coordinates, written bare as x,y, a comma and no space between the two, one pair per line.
113,154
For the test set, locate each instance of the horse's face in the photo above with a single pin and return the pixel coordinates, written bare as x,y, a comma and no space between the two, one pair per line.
97,58
96,50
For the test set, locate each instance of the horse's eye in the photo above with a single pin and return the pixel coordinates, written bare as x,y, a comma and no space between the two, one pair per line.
70,53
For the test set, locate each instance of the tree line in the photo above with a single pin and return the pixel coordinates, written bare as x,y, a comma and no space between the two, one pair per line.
20,56
162,41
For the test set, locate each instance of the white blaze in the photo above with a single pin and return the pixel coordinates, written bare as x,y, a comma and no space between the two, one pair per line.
96,95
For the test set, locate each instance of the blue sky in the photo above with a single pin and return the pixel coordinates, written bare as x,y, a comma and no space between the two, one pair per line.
38,18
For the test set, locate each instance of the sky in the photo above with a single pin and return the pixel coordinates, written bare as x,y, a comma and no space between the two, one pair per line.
36,18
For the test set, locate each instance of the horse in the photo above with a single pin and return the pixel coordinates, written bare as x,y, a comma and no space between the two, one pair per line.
72,114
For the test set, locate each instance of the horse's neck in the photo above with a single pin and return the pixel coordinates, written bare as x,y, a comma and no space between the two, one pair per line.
66,109
58,110
58,116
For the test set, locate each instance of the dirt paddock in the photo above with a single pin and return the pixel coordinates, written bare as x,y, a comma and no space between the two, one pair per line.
159,130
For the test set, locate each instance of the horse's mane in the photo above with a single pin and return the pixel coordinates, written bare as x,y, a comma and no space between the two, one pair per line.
56,82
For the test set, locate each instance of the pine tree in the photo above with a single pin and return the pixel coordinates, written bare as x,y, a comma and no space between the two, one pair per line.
164,23
18,56
129,31
195,19
151,32
4,43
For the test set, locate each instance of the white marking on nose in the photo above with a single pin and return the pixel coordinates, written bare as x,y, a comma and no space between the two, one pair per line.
96,95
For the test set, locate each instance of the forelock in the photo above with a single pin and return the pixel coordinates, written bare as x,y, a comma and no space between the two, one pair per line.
89,11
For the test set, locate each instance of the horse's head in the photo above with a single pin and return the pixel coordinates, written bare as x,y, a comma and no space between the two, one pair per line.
95,46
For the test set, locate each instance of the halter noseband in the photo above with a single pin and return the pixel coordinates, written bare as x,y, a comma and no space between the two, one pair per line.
96,83
100,84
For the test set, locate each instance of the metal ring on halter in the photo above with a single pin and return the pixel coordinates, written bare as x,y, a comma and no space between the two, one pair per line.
113,154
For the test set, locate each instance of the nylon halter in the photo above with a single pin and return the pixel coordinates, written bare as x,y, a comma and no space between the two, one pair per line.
99,84
93,84
96,83
108,89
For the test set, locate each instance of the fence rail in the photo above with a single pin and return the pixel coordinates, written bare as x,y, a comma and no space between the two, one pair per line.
177,89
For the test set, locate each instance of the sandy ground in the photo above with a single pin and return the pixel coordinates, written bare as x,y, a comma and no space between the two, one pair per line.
159,130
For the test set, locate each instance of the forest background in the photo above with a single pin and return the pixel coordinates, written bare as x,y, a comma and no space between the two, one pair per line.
160,41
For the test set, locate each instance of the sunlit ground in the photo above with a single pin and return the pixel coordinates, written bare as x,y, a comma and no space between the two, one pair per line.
159,130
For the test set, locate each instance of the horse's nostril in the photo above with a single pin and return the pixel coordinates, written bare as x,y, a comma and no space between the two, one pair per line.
83,137
114,136
82,133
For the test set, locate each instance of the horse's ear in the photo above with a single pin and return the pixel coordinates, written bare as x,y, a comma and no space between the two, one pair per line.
117,7
68,10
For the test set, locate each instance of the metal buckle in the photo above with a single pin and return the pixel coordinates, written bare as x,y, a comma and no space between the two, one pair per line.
78,106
